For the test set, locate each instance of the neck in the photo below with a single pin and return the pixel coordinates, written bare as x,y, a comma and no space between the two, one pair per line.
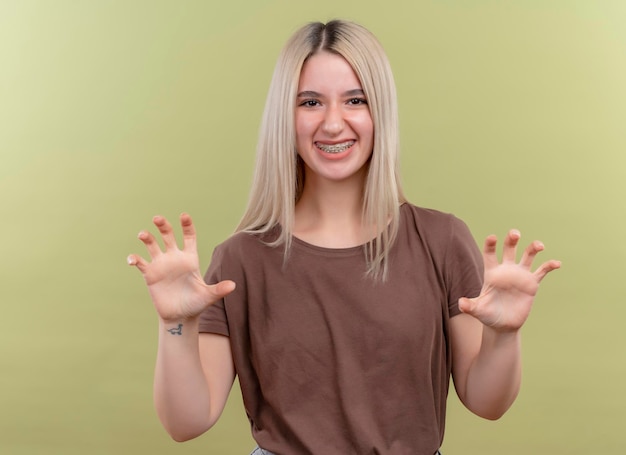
329,213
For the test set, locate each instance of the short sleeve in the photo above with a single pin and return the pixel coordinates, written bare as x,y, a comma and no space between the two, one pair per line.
463,266
214,318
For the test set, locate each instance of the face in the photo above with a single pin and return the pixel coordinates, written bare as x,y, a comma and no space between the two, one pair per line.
334,128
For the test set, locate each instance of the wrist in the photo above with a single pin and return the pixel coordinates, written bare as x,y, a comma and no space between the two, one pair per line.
178,327
496,336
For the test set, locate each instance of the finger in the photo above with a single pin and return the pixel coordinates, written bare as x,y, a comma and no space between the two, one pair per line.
466,305
137,261
167,233
546,268
189,232
222,289
151,244
489,251
530,252
509,252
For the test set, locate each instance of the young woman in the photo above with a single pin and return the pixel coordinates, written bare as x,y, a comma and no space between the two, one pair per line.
342,308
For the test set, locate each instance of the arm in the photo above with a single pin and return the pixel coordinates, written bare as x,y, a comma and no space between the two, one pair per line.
193,377
486,340
194,373
486,366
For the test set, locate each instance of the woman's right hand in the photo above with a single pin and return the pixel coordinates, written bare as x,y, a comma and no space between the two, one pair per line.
176,286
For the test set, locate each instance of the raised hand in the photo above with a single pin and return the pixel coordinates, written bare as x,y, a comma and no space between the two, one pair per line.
509,287
173,276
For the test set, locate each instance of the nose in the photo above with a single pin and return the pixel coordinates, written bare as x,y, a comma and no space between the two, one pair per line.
333,121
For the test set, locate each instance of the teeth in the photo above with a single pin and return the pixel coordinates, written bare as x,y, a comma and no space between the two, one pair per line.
335,148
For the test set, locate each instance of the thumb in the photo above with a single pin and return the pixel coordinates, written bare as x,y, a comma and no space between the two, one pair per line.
466,305
223,288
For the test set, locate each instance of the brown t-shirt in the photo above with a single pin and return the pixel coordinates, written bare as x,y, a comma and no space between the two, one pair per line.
333,362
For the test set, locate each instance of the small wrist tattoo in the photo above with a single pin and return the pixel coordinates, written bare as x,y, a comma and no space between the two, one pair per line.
177,331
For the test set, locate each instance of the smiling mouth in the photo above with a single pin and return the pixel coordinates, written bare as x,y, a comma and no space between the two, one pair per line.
334,148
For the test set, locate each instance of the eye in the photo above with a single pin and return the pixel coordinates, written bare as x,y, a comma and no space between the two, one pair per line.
357,101
309,103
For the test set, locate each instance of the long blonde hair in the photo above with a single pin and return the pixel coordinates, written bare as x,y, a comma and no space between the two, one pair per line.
279,178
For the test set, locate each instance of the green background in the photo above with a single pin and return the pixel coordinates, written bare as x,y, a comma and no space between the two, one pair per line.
512,115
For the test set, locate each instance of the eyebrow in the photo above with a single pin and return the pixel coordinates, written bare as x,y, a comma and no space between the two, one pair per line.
314,94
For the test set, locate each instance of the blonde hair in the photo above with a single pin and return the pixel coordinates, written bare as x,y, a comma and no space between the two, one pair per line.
279,178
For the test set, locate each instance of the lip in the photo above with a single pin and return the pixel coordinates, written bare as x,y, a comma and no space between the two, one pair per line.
340,141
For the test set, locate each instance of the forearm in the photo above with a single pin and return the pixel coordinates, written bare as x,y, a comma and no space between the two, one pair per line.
181,392
494,377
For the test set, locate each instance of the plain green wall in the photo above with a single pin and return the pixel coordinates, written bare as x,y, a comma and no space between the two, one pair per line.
112,111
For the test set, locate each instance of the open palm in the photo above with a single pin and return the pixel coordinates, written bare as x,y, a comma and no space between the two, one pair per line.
176,286
509,287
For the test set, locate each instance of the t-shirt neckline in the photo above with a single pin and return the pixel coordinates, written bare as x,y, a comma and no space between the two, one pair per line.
345,251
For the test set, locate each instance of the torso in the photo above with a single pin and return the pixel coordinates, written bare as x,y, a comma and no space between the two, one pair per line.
322,350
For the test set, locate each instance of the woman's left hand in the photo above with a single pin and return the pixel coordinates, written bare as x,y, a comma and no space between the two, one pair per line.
509,287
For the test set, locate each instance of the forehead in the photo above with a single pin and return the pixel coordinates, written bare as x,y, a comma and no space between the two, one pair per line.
327,70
